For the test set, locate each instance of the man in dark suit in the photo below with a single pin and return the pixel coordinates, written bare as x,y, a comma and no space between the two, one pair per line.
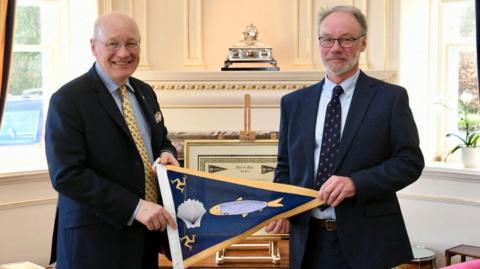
100,162
353,138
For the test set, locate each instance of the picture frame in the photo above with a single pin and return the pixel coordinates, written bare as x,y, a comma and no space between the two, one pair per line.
254,160
235,158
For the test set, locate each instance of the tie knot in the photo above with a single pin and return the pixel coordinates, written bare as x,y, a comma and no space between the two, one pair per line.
337,91
123,89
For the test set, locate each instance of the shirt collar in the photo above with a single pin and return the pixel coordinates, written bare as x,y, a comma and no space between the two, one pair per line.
348,85
111,85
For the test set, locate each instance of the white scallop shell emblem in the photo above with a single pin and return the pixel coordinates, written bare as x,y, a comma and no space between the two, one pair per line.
191,212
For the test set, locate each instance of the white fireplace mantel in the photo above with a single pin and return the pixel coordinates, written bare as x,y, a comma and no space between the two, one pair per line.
291,75
209,89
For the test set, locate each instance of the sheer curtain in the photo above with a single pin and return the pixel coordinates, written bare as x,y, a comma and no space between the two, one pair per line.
7,13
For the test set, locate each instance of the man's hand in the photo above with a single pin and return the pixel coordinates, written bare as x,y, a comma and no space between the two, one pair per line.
336,189
154,216
166,158
281,226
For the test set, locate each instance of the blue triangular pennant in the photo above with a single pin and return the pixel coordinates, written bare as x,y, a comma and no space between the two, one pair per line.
215,211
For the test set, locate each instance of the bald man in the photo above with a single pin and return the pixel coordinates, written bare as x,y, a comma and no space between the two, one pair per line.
104,217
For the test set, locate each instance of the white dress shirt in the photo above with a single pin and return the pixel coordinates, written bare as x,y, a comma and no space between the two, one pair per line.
348,86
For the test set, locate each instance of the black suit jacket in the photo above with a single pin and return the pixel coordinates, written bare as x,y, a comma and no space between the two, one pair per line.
379,150
96,169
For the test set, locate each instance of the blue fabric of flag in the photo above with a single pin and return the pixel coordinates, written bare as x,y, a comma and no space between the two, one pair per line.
214,229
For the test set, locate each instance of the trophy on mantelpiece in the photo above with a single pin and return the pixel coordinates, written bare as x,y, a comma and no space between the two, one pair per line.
252,53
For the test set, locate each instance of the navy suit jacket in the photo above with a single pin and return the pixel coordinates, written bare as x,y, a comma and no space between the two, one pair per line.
379,150
96,169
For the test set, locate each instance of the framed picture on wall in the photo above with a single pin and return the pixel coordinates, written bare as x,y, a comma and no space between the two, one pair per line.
235,158
254,160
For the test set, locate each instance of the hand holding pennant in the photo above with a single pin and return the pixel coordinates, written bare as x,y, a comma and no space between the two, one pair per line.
214,211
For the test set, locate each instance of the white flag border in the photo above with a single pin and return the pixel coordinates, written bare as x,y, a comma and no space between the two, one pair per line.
168,204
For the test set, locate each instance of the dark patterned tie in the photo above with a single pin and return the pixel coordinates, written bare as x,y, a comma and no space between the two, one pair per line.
330,138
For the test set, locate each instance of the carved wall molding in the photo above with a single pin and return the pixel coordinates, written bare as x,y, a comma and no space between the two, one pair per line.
262,86
206,80
363,6
104,6
303,33
389,33
139,12
263,81
194,90
193,52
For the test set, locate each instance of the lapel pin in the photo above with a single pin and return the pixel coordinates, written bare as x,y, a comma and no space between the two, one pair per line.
158,117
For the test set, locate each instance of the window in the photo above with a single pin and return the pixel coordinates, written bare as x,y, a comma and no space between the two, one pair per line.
437,65
50,48
23,119
459,72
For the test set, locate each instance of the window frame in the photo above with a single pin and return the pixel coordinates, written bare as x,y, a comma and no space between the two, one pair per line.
64,51
442,115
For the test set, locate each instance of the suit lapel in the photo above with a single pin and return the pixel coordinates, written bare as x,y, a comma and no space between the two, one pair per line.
106,100
312,99
361,99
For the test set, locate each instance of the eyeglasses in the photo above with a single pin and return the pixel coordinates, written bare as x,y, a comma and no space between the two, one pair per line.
114,45
344,42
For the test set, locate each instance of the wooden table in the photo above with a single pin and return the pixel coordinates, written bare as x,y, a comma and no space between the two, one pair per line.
210,261
462,250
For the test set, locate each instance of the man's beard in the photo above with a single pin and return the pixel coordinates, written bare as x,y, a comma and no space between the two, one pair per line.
338,70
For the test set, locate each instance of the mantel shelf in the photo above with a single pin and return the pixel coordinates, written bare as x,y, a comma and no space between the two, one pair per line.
207,89
290,75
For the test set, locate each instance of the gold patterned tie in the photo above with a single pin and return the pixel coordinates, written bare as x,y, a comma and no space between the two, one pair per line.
150,189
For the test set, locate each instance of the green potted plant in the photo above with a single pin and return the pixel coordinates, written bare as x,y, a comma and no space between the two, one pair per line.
470,143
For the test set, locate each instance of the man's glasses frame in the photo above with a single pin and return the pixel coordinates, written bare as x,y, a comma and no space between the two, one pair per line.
344,42
115,45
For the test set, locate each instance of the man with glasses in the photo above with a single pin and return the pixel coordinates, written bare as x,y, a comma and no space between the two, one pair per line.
353,138
104,130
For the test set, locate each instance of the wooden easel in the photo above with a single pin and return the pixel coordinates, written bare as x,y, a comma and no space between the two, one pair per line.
247,133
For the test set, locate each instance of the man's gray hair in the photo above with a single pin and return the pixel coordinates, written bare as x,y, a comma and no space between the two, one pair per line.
357,13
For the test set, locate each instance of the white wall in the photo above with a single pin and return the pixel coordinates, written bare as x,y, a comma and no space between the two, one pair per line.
442,209
196,34
27,213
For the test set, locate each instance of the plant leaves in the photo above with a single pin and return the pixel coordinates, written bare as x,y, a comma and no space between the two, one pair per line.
459,137
453,150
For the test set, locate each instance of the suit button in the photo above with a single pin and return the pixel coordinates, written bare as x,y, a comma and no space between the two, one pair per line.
138,163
